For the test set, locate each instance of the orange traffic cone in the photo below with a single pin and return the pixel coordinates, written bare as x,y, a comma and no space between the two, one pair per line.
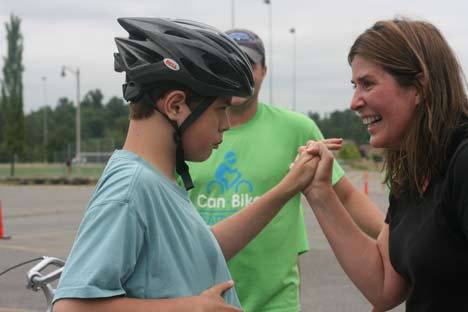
1,224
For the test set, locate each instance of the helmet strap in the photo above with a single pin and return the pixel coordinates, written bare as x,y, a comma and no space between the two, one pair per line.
196,113
182,168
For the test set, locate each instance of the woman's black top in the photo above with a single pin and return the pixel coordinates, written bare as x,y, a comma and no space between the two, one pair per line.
428,240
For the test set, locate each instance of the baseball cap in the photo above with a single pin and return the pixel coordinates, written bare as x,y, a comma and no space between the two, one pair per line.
249,42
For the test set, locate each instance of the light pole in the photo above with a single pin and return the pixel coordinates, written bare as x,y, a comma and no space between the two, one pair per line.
44,113
293,32
78,113
233,15
270,63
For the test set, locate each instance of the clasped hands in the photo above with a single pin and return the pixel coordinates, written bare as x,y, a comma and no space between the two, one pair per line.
312,168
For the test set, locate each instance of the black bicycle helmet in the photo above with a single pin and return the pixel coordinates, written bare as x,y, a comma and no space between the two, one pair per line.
161,51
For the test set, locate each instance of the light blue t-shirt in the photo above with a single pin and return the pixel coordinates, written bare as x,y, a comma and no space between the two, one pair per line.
141,238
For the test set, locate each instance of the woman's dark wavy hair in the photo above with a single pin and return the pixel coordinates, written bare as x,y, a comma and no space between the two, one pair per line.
416,54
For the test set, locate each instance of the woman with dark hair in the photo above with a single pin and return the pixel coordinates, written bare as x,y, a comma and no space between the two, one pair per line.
409,92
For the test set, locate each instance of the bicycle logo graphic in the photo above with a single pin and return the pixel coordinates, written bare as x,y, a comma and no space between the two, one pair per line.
227,177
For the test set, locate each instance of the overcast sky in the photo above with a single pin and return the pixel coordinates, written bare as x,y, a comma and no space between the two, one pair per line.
80,34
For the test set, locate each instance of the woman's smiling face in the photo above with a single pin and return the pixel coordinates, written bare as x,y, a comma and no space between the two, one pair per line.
386,108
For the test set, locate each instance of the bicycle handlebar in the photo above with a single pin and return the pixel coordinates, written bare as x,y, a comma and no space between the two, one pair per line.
37,281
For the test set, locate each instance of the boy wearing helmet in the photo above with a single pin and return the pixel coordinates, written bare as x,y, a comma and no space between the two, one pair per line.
141,245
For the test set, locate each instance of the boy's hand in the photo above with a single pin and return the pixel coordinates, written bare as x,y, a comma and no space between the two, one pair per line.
302,172
211,300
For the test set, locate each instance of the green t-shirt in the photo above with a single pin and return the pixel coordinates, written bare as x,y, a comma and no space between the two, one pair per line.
251,160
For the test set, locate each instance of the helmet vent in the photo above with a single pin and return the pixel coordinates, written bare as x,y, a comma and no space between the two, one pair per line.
137,36
130,59
202,74
215,65
223,44
176,34
141,52
152,56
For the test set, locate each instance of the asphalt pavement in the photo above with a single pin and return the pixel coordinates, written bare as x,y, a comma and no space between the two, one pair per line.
42,220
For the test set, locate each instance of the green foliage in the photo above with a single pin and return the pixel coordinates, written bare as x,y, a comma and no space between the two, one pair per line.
377,158
2,125
117,120
24,135
13,131
92,100
105,124
349,151
62,128
342,124
104,127
34,133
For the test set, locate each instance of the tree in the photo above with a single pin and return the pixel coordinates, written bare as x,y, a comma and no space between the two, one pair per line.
349,151
12,91
117,114
115,109
342,124
62,130
3,156
92,100
34,135
93,121
104,127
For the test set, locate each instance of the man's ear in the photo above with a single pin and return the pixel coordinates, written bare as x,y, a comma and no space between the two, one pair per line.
174,105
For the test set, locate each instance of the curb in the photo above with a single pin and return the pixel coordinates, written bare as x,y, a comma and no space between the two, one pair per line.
49,181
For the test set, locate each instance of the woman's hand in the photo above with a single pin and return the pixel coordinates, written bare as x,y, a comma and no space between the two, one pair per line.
323,174
211,300
301,173
302,170
333,144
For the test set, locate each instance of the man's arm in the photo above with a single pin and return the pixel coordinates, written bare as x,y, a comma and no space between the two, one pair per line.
364,213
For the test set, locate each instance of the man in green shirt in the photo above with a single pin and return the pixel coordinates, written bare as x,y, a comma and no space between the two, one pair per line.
255,154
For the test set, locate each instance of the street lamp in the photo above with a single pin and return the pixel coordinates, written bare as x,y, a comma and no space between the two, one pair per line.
78,113
293,32
44,113
270,63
